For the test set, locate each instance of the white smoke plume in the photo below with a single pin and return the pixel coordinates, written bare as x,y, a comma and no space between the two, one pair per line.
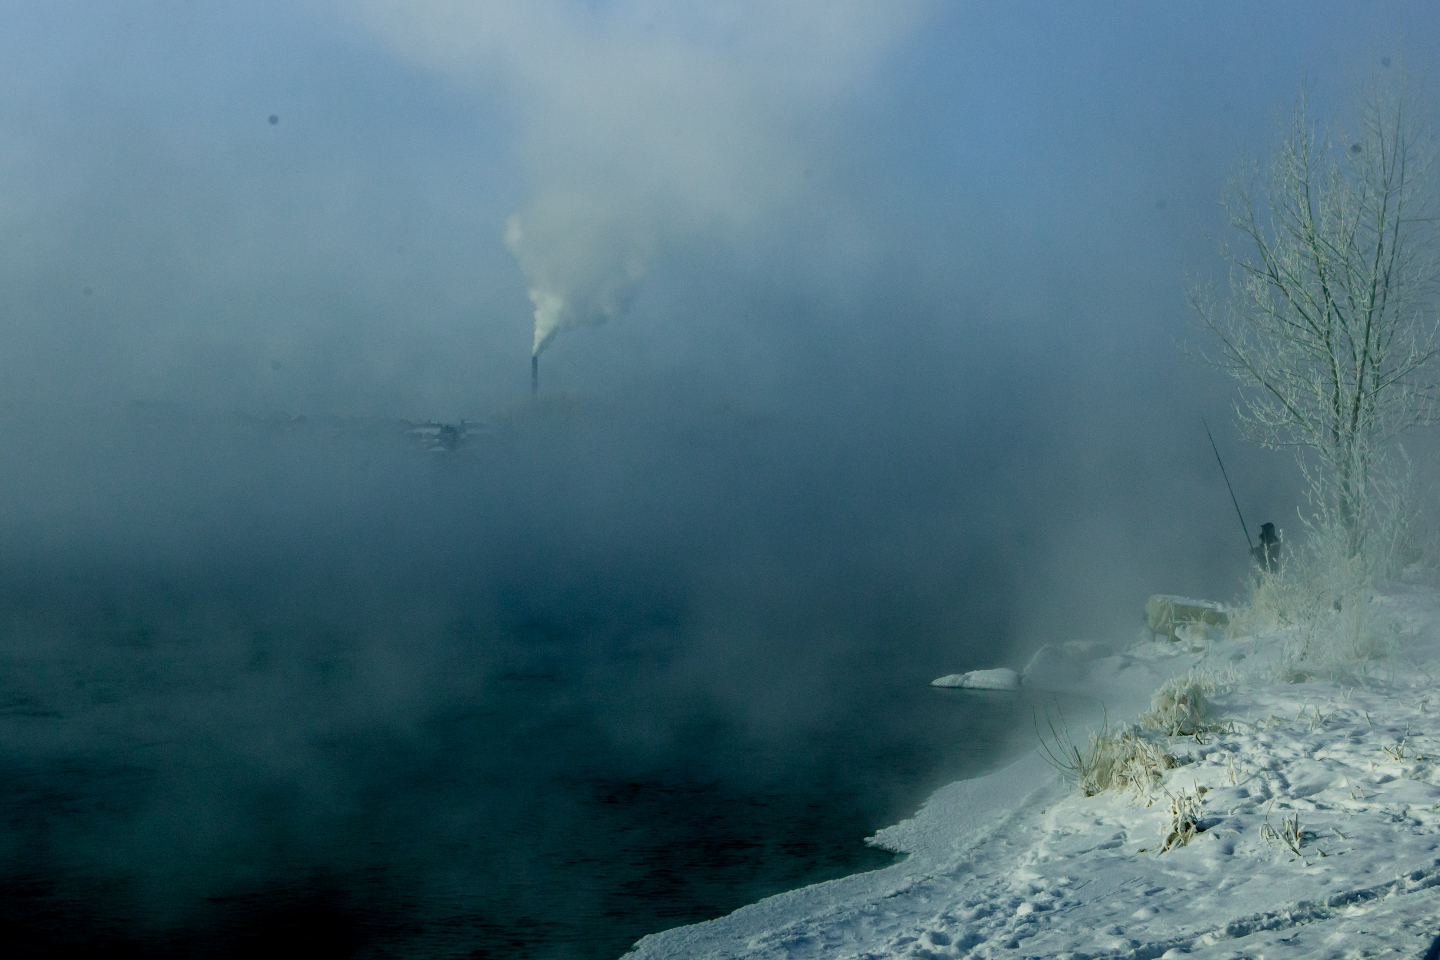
640,120
583,264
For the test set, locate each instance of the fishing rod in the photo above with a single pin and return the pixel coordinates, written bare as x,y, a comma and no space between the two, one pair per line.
1248,542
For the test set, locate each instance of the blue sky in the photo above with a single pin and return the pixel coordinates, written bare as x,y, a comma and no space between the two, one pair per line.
996,179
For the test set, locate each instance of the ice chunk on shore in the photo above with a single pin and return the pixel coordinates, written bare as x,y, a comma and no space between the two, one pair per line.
1002,678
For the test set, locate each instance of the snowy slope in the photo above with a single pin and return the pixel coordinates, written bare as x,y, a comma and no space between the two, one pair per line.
1017,864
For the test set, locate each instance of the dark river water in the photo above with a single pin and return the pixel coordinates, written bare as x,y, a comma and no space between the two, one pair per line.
367,703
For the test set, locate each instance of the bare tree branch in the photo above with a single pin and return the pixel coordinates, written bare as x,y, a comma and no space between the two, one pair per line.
1331,323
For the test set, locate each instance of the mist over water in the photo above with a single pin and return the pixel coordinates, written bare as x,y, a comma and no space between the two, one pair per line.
279,680
609,666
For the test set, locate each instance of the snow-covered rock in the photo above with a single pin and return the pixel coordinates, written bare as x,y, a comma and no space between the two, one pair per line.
1168,614
1002,678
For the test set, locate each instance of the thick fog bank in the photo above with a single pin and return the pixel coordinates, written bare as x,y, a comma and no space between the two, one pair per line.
271,670
781,537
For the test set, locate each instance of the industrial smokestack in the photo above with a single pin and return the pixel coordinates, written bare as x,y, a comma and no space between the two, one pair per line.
534,374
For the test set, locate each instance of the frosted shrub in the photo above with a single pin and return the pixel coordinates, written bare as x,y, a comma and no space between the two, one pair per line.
1335,635
1125,760
1183,824
1320,601
1341,645
1180,708
1396,545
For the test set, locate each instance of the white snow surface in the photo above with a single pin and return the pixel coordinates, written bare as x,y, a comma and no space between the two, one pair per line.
1001,678
1017,864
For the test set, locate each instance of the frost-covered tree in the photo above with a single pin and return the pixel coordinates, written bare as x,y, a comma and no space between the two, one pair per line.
1330,324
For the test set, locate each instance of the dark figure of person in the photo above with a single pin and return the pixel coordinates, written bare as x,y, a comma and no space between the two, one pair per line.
1267,555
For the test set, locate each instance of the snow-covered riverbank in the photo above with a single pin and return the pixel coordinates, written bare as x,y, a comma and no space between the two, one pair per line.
1316,810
